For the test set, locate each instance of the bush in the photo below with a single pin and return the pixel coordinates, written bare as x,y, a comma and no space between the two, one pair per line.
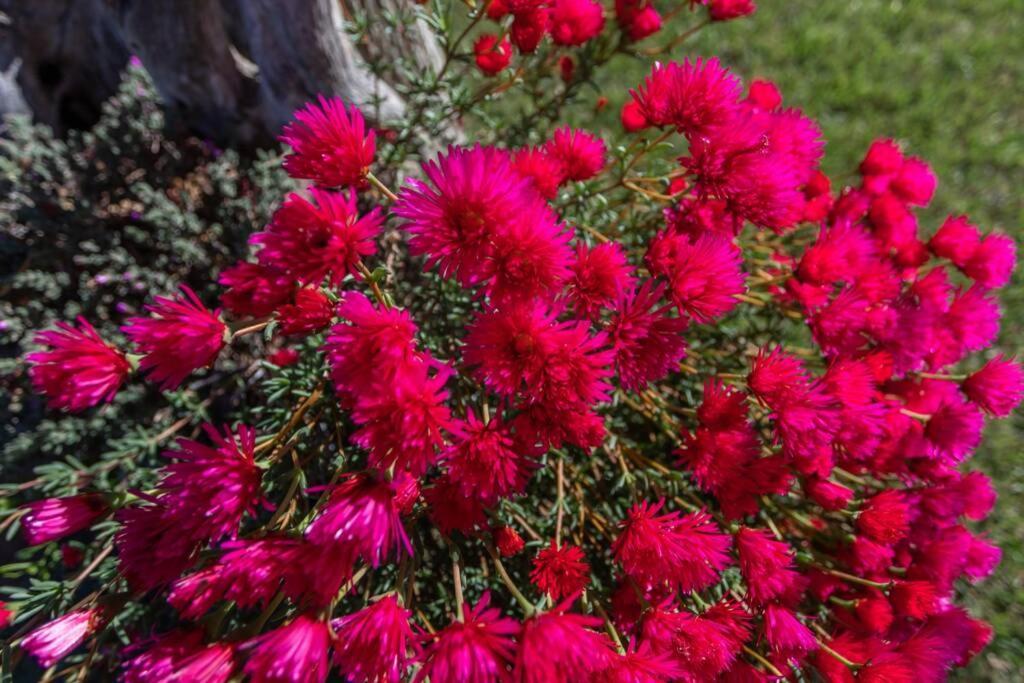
655,405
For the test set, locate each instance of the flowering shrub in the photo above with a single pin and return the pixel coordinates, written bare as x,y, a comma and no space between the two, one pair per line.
654,407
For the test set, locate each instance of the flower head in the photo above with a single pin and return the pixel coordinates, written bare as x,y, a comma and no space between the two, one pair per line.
694,97
311,312
766,565
485,461
955,240
322,238
55,639
703,276
560,647
293,653
372,644
254,290
78,369
687,552
492,56
330,144
54,518
599,275
180,337
992,262
574,22
785,633
479,647
181,656
541,168
648,342
997,387
884,517
581,154
560,571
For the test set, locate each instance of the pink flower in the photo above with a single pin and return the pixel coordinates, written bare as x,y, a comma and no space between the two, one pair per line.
883,157
323,238
79,369
54,518
956,240
581,154
284,358
704,646
524,349
294,653
766,565
992,261
485,462
972,320
599,275
694,97
954,430
914,599
56,639
785,633
724,10
360,520
544,171
704,277
687,552
764,94
372,644
478,648
371,346
996,388
403,424
454,218
180,656
915,182
311,312
492,57
639,665
648,342
213,486
560,571
254,290
574,22
180,337
153,544
828,494
330,144
632,116
560,647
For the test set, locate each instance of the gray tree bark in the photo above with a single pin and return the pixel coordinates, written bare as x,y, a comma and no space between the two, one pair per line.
233,71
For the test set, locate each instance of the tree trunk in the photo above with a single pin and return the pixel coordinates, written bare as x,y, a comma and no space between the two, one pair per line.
232,71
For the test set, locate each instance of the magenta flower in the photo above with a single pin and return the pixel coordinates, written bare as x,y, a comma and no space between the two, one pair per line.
373,644
79,369
599,276
766,565
311,312
560,571
254,290
483,459
704,276
574,22
294,653
54,518
477,649
693,97
322,238
179,337
360,519
330,144
180,656
785,633
997,387
560,647
56,639
580,153
648,342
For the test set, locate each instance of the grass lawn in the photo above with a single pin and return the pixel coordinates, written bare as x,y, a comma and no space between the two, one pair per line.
945,77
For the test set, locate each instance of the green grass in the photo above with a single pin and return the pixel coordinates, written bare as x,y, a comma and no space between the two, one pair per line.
945,77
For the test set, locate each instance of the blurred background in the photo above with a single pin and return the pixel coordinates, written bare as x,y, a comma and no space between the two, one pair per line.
126,184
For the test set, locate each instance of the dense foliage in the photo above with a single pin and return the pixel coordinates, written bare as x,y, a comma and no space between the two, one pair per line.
668,408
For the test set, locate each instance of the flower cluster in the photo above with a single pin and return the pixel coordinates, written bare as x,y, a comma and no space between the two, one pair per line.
705,499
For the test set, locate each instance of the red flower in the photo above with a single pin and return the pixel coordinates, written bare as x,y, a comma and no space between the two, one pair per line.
284,358
599,275
766,564
54,518
254,290
479,647
311,312
574,22
992,262
764,94
330,144
323,238
694,97
180,337
914,599
724,10
508,541
560,647
883,157
492,57
639,665
884,517
182,656
785,633
704,277
484,461
955,240
560,571
996,388
648,342
372,644
632,117
915,182
687,552
581,154
543,170
78,369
